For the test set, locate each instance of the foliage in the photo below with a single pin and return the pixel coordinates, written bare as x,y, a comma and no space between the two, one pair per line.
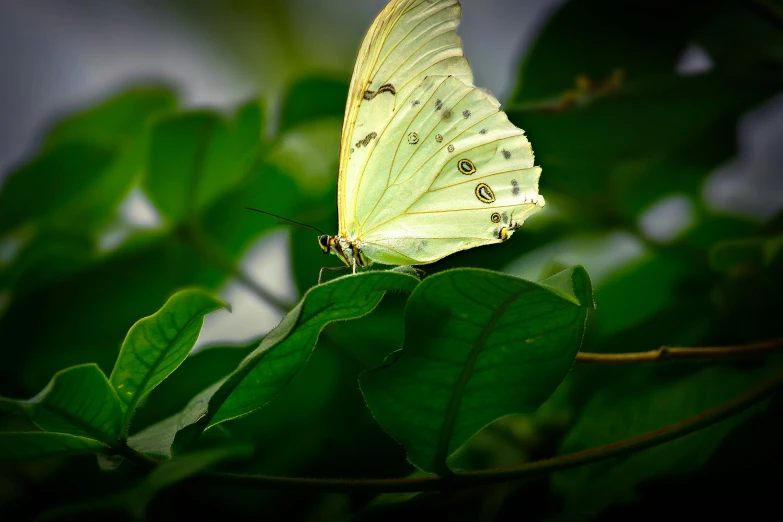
463,370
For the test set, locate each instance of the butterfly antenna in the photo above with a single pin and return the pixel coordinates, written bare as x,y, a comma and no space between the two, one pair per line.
287,220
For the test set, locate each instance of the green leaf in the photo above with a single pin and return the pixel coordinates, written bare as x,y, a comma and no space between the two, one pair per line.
57,182
116,119
200,370
156,345
478,345
286,349
196,157
21,446
157,440
50,256
636,405
79,401
313,98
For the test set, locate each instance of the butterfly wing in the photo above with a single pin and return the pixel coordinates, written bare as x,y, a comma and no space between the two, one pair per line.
408,41
434,167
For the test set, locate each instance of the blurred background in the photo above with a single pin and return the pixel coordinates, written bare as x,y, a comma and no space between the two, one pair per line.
659,131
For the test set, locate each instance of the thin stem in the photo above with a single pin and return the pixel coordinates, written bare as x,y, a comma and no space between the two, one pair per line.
667,353
504,474
214,255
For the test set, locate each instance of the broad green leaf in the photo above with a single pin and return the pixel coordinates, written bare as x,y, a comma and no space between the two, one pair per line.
196,157
55,185
116,119
21,446
79,401
478,345
636,405
313,98
157,440
156,345
285,350
200,370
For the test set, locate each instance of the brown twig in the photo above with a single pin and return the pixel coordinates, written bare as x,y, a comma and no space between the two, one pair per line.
667,353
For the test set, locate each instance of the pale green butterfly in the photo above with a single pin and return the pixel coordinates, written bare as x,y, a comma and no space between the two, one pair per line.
429,164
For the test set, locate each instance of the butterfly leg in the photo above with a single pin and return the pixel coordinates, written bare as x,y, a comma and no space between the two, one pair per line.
419,271
354,265
329,268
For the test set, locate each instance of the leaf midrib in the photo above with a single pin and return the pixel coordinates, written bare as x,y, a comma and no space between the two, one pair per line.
148,376
447,428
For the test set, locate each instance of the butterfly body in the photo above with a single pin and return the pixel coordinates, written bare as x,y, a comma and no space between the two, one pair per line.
429,164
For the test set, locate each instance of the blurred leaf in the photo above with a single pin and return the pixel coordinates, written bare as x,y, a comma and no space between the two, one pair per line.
156,345
285,350
21,446
759,251
60,186
180,468
638,405
313,98
115,120
86,317
79,401
196,157
231,227
471,336
50,256
638,291
612,37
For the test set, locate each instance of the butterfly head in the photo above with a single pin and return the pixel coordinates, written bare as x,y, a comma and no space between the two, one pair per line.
325,242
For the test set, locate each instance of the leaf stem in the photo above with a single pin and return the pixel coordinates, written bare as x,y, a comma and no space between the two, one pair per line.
212,254
667,353
524,471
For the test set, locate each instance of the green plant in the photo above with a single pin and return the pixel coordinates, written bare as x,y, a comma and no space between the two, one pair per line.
392,392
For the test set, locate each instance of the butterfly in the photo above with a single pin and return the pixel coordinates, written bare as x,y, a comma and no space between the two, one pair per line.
429,164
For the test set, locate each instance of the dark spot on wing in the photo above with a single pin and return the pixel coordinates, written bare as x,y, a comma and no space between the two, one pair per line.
387,87
514,187
366,140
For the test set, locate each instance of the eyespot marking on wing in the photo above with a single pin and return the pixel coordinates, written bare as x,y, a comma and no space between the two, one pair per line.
413,138
450,148
484,193
495,217
466,114
506,154
363,142
514,187
466,167
439,138
483,131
